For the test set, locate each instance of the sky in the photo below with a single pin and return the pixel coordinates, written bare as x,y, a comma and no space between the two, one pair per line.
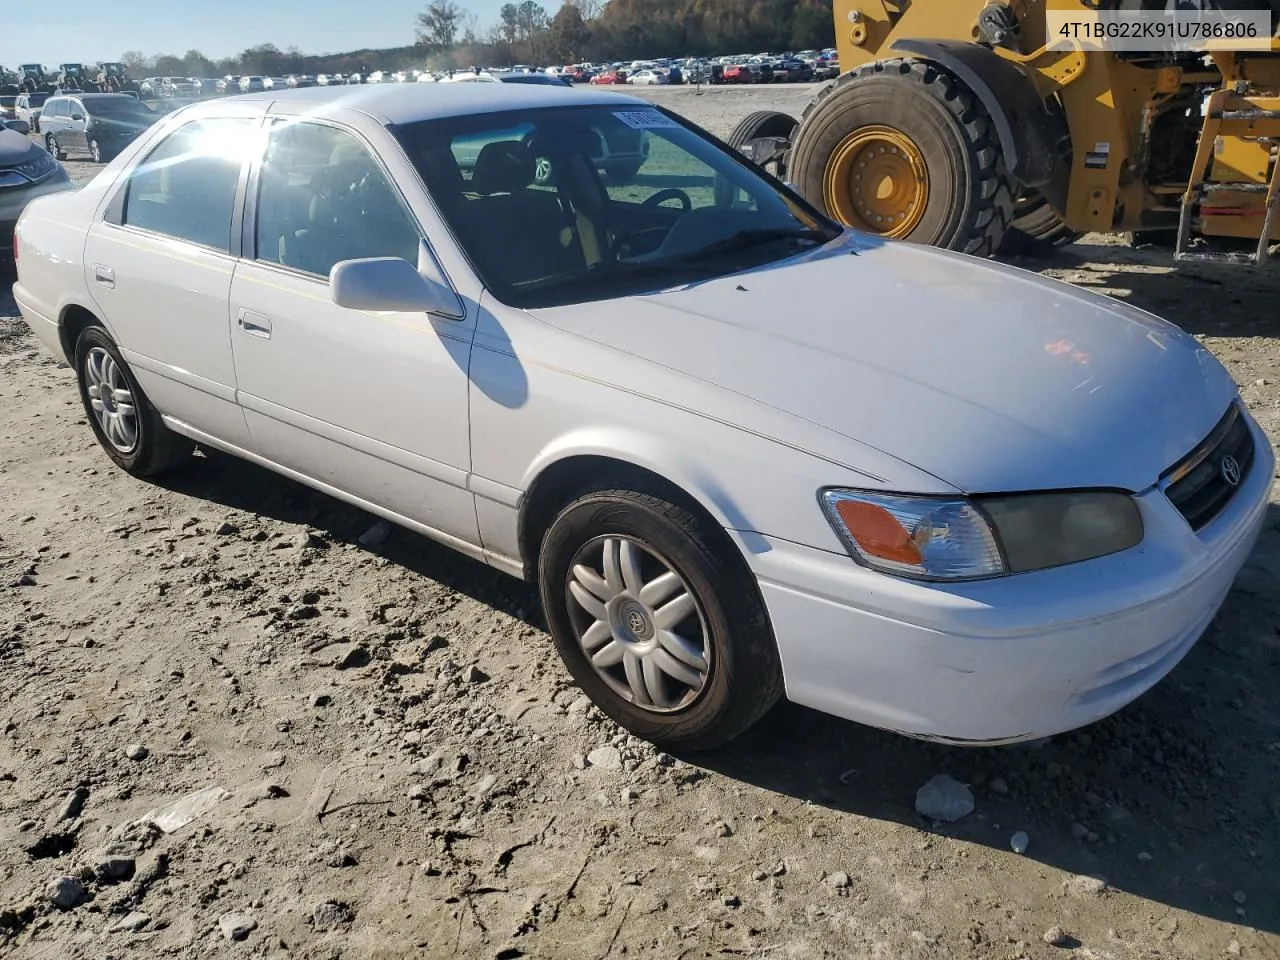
216,29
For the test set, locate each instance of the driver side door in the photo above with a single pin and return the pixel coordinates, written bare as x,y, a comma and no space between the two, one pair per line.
371,405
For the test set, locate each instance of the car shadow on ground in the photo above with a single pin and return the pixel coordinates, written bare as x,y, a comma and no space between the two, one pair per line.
1172,799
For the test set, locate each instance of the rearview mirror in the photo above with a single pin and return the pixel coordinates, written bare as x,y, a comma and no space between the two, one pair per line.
391,284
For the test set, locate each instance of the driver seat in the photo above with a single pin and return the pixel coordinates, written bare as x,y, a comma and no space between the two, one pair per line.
523,228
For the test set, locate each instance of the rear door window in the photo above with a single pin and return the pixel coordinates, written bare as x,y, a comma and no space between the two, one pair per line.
186,188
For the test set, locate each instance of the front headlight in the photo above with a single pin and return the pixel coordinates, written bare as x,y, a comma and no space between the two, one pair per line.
953,538
40,166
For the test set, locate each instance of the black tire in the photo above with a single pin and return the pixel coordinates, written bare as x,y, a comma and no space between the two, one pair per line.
744,676
764,123
970,202
623,173
51,145
1036,229
157,449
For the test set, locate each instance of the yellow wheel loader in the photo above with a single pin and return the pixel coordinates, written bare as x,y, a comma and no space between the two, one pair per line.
965,124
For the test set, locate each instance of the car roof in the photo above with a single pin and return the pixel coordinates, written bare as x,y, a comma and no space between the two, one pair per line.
410,102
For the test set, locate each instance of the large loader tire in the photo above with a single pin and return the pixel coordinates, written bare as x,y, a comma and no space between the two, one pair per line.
1035,229
903,149
764,123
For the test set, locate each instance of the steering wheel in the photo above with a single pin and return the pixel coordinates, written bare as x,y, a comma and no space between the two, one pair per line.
650,202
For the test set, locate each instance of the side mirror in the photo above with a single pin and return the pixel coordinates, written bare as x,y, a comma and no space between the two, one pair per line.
390,284
77,116
18,126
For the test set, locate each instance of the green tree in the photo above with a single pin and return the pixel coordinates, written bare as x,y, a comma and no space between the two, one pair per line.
197,64
509,23
568,35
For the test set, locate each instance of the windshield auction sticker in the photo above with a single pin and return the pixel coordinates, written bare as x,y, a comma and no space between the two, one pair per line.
1158,31
646,120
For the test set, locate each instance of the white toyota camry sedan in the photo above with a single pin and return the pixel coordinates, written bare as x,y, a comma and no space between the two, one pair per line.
741,451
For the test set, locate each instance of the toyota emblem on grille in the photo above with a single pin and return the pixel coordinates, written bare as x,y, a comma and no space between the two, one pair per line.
1230,468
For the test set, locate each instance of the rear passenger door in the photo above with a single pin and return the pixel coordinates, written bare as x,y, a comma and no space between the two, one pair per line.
371,404
159,265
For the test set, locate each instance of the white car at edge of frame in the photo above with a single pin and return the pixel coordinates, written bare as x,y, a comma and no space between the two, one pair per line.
968,504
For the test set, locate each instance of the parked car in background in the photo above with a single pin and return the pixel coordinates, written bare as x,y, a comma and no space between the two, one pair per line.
724,491
206,86
826,69
26,172
228,84
301,80
793,71
8,107
172,104
738,73
648,78
97,124
177,87
252,84
27,107
617,77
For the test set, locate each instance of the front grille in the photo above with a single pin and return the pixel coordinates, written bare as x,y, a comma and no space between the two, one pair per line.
1199,485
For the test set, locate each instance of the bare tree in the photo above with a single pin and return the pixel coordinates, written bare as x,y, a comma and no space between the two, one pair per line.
438,24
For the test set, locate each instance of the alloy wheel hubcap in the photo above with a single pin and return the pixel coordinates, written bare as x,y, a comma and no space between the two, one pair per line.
111,400
639,624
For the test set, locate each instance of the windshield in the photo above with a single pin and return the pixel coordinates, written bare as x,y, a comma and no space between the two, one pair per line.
37,99
8,101
123,108
571,204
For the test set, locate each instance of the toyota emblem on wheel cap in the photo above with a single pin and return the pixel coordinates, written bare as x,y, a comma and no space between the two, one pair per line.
1230,468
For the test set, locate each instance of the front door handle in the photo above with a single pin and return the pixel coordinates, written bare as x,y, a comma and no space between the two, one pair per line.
104,275
255,324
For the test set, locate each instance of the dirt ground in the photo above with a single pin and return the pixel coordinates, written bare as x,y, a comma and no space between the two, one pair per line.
396,765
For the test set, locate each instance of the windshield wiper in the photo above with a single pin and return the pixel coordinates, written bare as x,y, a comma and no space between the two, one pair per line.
748,239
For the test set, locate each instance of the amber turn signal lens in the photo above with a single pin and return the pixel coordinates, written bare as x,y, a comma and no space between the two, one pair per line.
878,532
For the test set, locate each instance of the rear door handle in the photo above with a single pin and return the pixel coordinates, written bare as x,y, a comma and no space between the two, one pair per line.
255,324
104,275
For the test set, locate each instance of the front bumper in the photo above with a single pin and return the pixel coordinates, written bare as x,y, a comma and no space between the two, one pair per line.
1011,659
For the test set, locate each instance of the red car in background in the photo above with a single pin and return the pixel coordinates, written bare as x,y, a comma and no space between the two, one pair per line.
738,73
619,76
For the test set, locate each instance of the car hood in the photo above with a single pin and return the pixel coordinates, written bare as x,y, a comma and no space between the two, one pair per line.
991,379
14,147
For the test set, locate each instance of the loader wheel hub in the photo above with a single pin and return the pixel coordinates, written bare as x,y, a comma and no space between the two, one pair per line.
877,181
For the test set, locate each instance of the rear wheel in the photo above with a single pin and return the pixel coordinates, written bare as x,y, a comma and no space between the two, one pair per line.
1036,228
765,123
51,145
127,426
903,149
97,153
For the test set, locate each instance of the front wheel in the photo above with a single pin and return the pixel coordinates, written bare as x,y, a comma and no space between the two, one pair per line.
127,426
51,145
657,618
